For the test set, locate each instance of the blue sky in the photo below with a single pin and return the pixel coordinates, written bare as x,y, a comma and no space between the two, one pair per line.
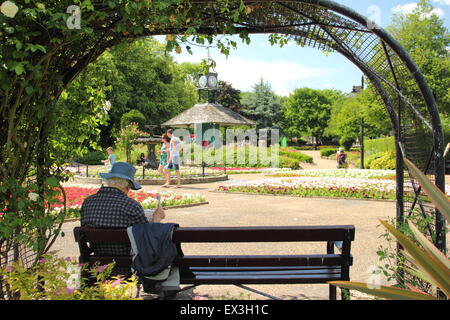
293,67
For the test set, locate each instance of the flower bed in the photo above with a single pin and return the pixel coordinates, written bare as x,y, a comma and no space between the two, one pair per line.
76,195
336,187
335,173
319,187
240,170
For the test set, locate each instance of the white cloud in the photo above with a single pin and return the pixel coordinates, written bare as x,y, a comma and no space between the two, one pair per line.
443,2
244,73
410,7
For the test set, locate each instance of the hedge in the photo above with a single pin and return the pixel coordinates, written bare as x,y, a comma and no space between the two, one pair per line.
379,145
327,152
301,157
92,158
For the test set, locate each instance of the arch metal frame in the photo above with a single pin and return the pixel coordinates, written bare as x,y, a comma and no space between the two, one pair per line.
402,88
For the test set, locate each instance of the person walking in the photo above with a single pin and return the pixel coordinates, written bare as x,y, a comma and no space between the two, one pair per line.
111,158
341,158
163,164
174,160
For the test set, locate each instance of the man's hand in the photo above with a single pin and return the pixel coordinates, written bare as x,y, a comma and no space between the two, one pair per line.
159,215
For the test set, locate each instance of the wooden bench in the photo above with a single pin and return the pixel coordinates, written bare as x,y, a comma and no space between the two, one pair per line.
244,269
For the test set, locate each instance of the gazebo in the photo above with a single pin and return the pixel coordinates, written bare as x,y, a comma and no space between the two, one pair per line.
209,115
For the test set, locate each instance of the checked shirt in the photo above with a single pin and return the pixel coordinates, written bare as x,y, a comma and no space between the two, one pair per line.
110,208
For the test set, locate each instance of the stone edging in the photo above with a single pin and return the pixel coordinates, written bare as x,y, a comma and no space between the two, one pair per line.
293,196
165,208
146,182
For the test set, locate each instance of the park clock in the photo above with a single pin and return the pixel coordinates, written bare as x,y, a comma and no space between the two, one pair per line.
208,81
212,80
203,81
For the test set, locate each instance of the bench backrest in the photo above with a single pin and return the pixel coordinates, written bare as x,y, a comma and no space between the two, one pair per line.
328,234
230,234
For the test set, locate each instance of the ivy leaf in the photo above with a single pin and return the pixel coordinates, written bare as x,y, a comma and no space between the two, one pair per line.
19,69
29,90
52,182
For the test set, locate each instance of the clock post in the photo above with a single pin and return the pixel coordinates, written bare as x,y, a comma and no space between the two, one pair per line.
209,83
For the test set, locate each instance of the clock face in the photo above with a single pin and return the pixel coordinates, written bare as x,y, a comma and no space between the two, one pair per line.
212,81
202,81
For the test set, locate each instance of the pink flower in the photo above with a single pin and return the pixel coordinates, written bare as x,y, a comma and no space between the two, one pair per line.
42,261
116,282
70,290
200,298
102,268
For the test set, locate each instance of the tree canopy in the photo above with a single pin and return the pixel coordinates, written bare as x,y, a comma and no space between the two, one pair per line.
424,35
308,111
347,113
263,106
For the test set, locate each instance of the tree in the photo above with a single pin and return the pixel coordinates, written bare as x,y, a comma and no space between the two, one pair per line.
308,111
141,77
347,112
263,106
229,97
126,138
424,35
133,116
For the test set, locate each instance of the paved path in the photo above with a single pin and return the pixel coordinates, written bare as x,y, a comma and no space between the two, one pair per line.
319,163
260,210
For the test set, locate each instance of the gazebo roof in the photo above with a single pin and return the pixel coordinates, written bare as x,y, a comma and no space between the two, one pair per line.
208,113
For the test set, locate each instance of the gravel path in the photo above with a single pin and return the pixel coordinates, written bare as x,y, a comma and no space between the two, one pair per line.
259,210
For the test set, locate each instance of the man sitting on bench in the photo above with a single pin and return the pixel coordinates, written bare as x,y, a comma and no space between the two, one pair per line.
111,208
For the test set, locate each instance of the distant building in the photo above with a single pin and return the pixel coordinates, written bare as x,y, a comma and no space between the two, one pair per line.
357,89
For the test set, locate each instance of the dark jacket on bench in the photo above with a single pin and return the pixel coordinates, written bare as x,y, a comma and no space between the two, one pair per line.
154,246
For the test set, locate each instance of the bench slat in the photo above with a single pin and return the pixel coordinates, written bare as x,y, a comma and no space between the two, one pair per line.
264,261
268,272
234,234
269,279
264,234
258,268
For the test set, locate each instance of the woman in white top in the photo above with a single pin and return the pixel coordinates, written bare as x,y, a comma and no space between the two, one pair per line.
174,160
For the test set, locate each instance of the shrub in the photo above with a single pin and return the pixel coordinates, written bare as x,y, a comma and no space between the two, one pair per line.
92,158
385,162
126,138
327,152
291,163
346,142
328,147
379,145
54,278
368,160
301,157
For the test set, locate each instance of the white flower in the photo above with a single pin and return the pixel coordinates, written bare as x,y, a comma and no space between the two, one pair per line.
9,9
33,196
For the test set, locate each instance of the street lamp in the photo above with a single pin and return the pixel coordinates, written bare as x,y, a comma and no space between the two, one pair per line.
356,90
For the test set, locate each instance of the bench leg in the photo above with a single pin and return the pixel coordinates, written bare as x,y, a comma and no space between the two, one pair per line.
332,292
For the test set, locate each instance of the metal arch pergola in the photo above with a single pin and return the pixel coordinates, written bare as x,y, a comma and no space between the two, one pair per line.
409,101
